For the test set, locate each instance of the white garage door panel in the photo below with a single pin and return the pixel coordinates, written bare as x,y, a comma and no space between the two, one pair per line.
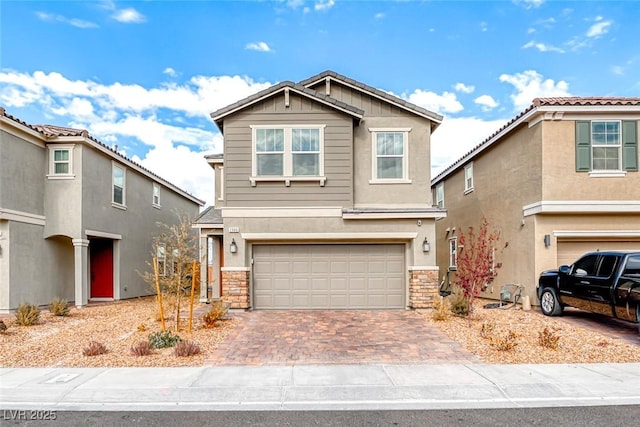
570,251
328,276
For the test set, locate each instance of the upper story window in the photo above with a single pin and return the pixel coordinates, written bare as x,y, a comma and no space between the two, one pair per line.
468,178
288,151
156,195
390,155
118,180
60,162
440,195
606,147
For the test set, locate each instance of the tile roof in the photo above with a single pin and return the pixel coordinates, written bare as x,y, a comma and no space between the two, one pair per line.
210,215
573,101
221,113
53,131
380,93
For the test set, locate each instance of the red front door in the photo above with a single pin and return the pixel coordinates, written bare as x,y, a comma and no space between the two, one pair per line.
101,265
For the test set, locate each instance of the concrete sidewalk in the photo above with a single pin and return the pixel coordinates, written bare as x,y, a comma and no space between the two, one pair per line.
319,387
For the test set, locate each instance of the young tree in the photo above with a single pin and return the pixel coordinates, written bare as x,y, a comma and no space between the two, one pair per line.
175,248
476,260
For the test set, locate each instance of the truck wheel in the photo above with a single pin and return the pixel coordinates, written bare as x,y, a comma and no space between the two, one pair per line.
549,304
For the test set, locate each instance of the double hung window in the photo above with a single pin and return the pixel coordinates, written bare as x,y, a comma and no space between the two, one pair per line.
60,162
606,147
118,184
390,155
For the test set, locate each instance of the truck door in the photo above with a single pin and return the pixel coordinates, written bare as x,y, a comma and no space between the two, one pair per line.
600,286
574,289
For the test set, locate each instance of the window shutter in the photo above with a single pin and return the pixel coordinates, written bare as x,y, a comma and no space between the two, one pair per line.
629,146
583,146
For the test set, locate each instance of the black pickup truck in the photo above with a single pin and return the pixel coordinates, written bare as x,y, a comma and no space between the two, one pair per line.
602,282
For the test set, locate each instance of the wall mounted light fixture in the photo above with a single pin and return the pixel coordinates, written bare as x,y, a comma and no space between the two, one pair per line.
426,246
547,240
233,247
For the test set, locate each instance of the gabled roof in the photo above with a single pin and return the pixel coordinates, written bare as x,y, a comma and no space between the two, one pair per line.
219,115
376,93
49,134
210,215
539,106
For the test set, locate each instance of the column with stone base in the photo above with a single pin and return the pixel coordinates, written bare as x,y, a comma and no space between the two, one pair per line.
235,286
423,287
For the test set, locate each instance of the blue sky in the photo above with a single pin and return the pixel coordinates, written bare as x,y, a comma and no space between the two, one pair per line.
146,74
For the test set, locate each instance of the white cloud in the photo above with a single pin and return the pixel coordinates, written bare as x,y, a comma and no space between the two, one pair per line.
259,46
543,47
324,5
486,102
379,15
445,103
455,137
74,22
529,4
530,84
128,16
598,29
170,72
461,87
617,70
484,27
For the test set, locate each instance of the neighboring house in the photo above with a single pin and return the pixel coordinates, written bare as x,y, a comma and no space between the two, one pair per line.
322,200
558,180
76,217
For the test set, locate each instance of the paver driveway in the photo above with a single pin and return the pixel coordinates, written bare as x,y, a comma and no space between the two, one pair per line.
294,337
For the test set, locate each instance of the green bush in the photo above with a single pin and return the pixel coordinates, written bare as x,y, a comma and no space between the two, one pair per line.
163,339
458,302
59,307
27,314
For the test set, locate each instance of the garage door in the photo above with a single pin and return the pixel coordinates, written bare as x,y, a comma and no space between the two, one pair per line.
570,251
328,276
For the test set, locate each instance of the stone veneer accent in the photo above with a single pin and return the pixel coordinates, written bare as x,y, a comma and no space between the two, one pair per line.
235,288
423,288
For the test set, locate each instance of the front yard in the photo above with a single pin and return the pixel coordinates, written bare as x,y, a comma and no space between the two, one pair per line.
59,341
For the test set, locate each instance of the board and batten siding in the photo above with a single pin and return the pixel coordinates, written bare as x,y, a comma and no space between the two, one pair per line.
374,107
338,156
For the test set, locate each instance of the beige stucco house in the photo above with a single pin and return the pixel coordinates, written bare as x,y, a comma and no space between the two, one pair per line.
323,200
76,217
558,180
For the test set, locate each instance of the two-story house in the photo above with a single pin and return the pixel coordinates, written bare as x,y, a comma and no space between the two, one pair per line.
76,217
558,180
323,200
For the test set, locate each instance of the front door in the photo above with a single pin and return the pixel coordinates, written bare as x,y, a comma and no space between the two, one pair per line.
101,265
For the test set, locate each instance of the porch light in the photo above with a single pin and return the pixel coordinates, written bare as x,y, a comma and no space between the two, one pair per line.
233,247
547,240
426,246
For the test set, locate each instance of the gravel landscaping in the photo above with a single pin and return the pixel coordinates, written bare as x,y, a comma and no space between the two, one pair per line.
59,341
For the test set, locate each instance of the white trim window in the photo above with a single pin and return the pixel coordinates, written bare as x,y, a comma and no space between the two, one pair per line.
468,178
118,181
606,147
60,162
221,186
390,159
453,253
288,151
156,195
440,195
161,259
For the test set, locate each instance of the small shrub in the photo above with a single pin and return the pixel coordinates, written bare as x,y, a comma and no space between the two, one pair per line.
440,310
94,348
506,342
3,327
163,339
186,348
218,310
459,303
548,339
142,327
143,348
27,314
487,330
59,307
